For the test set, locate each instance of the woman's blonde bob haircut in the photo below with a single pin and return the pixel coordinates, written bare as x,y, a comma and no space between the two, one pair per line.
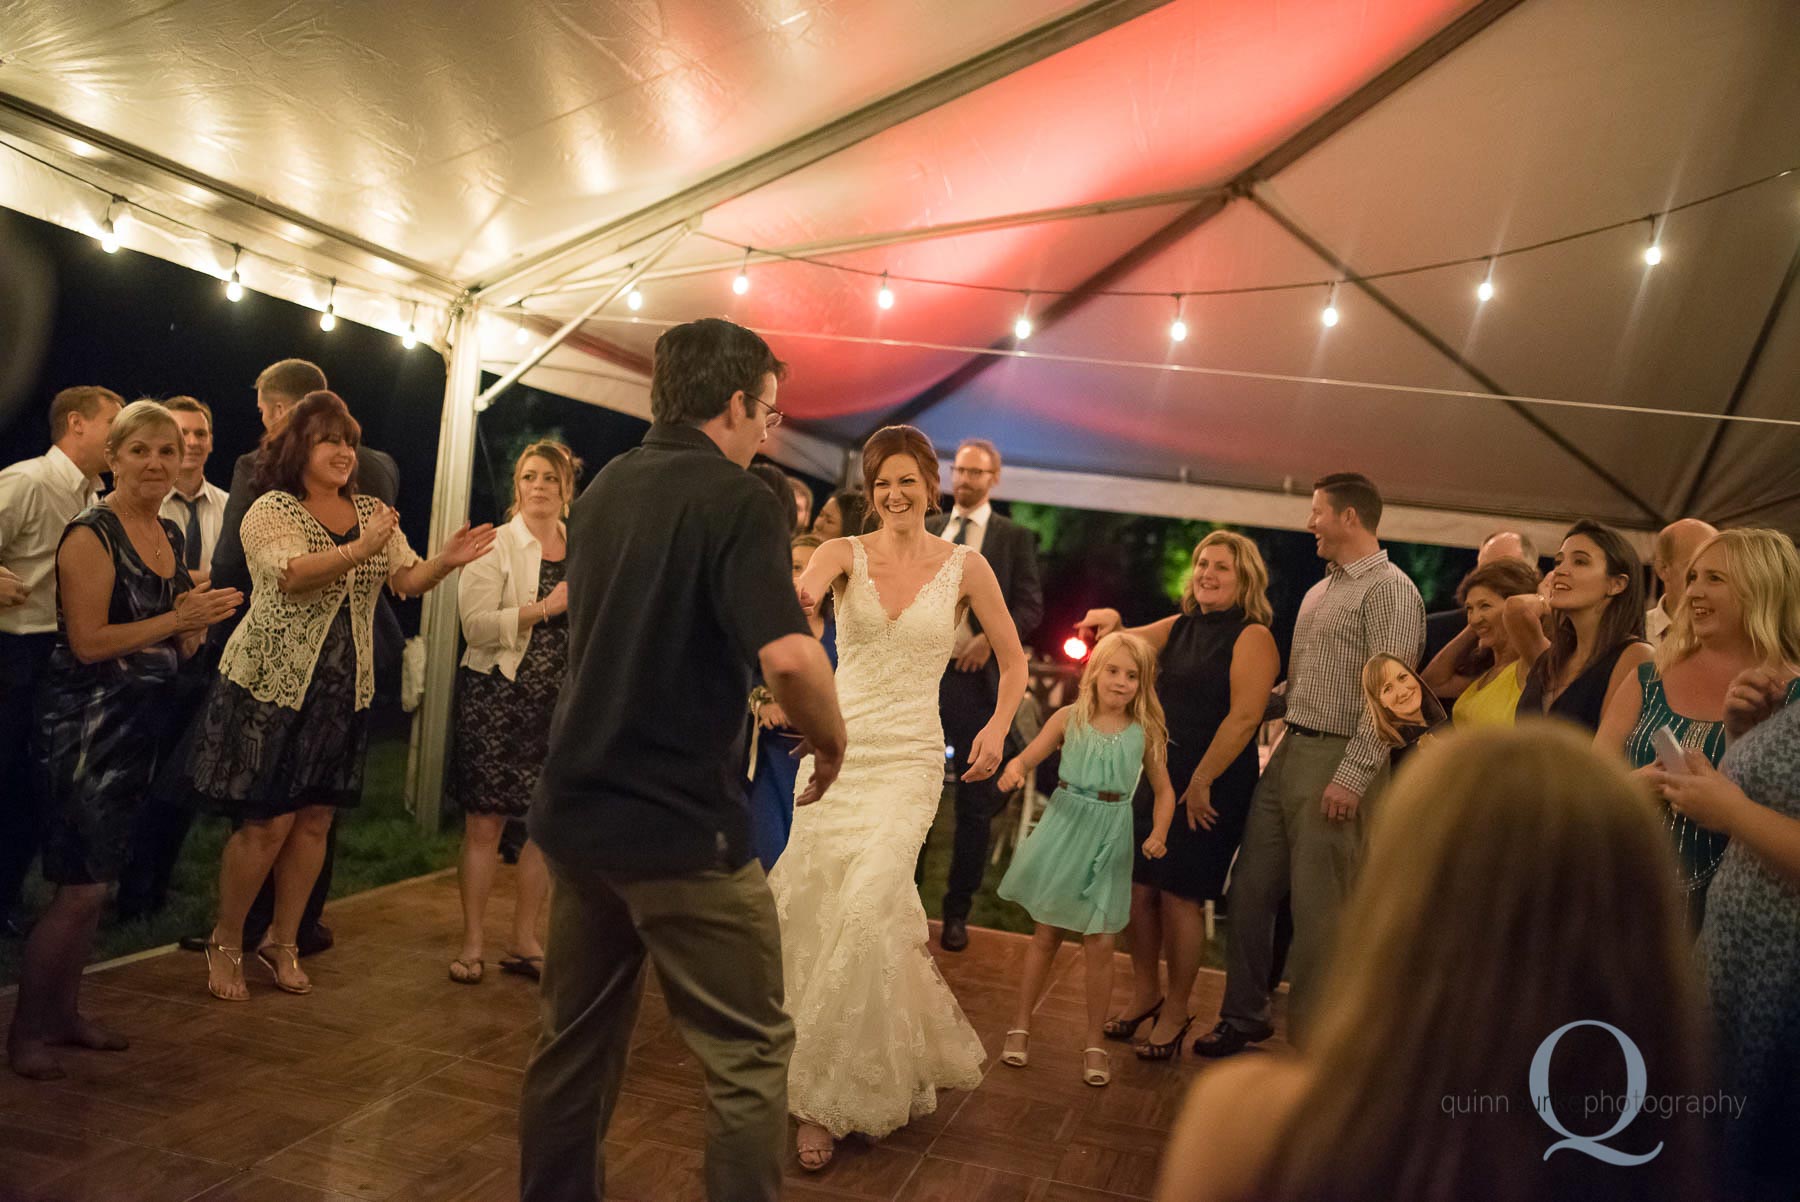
1763,571
1516,882
135,419
1252,574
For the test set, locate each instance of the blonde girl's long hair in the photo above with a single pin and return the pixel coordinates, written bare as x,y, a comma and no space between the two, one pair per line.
1763,571
557,455
1145,709
1515,882
1252,574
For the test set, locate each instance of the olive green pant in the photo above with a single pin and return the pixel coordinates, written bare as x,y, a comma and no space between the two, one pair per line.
717,949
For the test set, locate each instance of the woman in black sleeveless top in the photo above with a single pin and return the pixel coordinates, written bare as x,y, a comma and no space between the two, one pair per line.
1594,600
1216,663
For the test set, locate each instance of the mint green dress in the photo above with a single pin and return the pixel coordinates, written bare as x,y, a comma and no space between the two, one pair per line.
1074,869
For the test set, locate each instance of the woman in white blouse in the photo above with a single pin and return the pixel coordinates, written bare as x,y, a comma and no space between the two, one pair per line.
512,604
281,738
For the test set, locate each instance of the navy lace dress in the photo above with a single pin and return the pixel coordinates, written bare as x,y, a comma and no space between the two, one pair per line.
103,725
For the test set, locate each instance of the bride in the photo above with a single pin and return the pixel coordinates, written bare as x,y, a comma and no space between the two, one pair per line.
877,1030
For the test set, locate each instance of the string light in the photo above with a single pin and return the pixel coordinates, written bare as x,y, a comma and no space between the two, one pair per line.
109,237
1653,252
1178,330
1330,316
634,300
520,334
741,285
328,319
885,297
1484,291
234,285
1022,327
411,338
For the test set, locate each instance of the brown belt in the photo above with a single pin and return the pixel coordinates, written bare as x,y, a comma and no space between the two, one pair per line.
1103,795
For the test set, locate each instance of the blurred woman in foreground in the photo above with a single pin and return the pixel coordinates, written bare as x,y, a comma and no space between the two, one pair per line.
1517,895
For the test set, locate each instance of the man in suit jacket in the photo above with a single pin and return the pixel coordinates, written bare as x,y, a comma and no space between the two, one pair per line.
278,389
970,686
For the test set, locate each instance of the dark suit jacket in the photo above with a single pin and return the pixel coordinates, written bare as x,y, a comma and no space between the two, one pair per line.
376,474
1011,550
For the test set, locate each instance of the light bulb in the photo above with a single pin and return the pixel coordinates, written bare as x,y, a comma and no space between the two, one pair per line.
634,300
1178,330
328,319
1652,254
109,238
409,339
234,287
885,298
521,335
1022,328
1484,291
1075,648
1330,315
741,285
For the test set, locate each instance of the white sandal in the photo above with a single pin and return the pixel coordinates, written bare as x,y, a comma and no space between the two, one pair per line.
1015,1058
1096,1076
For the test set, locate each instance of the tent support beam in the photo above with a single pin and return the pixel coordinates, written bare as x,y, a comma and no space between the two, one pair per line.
542,352
1776,305
1425,334
1738,515
41,127
449,510
1423,56
1035,45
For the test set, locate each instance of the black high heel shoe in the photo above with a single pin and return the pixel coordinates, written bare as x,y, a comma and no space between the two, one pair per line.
1125,1029
1164,1051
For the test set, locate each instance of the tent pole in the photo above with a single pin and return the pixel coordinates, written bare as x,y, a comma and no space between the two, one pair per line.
449,510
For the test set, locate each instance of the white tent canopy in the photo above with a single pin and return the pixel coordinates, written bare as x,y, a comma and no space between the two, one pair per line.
472,166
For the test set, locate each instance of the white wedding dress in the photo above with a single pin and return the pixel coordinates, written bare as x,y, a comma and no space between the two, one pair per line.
878,1032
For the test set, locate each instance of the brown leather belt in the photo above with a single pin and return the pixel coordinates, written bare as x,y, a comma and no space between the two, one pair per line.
1101,794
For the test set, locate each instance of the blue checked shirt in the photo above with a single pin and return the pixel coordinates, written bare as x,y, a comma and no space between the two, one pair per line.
1358,610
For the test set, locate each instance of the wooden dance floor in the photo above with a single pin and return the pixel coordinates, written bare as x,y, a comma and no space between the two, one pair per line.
389,1082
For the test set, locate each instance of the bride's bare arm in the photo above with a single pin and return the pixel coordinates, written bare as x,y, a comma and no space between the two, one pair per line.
829,564
983,592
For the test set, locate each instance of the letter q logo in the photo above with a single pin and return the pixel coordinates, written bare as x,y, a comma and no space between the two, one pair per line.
1636,1077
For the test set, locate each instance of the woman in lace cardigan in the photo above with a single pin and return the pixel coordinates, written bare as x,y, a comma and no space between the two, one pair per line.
281,738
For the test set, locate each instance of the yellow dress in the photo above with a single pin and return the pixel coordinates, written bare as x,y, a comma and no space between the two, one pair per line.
1492,700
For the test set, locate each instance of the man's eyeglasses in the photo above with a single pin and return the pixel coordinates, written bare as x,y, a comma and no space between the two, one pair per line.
971,471
774,418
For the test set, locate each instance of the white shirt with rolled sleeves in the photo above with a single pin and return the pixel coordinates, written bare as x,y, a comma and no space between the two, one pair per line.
38,499
490,594
1360,609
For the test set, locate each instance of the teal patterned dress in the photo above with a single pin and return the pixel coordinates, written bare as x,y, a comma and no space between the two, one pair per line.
1074,869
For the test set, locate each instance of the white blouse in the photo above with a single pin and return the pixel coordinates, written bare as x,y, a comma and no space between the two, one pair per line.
490,594
273,651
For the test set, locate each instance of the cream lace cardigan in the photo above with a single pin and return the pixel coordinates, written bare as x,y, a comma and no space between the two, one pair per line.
274,649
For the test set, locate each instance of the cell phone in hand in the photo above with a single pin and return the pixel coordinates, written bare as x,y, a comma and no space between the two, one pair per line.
1668,750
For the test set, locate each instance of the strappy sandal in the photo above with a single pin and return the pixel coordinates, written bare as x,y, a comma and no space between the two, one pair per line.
1092,1075
524,966
466,972
1015,1056
269,962
235,955
1164,1051
814,1157
1125,1029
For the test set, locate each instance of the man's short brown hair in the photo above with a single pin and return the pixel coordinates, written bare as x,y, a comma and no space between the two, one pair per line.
291,377
188,404
1352,490
85,399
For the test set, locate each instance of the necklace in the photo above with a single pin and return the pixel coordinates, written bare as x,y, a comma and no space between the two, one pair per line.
159,547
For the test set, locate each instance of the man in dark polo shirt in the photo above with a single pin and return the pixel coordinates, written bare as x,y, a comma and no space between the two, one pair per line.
679,580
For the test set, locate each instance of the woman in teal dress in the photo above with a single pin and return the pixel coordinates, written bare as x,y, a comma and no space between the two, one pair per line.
1073,872
1736,614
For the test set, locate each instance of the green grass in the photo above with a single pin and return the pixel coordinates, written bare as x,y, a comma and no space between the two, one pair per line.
379,842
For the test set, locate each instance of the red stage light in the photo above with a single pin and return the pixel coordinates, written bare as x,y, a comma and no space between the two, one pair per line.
1076,649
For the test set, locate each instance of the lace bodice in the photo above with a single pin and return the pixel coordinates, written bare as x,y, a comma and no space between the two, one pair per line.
883,664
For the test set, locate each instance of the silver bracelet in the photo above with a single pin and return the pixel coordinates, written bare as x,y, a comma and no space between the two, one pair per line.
348,558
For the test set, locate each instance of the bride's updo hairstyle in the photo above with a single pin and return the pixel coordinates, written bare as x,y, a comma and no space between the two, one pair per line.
900,440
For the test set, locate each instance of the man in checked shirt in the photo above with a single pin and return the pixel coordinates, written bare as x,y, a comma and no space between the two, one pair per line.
1307,824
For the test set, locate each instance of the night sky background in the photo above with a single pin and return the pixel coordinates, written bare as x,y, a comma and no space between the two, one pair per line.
71,314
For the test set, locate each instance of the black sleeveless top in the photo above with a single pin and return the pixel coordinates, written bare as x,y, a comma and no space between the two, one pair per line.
1582,701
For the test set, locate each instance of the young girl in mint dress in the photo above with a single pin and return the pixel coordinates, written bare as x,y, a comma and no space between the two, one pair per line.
1073,872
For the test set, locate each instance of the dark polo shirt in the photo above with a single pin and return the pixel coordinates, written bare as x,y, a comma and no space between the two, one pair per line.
679,573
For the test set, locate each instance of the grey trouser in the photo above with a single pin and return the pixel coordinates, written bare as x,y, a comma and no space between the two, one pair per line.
717,949
1290,849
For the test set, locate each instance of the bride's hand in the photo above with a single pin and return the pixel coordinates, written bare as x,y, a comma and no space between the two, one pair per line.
985,753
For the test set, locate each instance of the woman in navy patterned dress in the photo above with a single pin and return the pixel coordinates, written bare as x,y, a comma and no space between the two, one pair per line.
127,614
